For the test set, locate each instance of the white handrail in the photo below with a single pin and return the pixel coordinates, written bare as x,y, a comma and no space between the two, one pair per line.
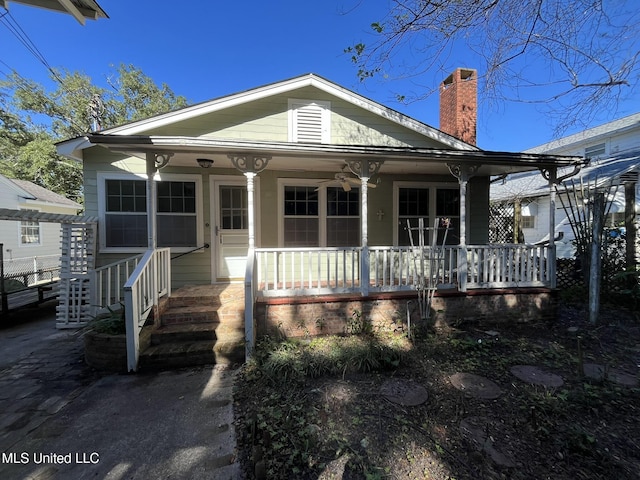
108,282
150,280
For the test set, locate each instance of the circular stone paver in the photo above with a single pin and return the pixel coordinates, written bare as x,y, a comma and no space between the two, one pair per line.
475,386
404,392
536,376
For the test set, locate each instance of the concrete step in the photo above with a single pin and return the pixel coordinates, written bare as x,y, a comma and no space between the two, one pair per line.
191,353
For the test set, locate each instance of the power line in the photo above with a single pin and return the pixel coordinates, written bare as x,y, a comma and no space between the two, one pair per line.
14,27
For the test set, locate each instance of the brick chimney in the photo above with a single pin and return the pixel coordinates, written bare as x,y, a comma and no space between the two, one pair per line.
459,104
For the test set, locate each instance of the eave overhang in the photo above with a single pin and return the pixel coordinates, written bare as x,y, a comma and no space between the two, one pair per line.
318,157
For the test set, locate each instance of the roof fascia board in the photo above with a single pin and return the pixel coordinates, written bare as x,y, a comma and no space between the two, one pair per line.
284,87
388,113
144,143
591,134
21,192
210,106
64,6
73,148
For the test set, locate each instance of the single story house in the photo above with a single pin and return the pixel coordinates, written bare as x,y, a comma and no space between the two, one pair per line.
25,240
308,193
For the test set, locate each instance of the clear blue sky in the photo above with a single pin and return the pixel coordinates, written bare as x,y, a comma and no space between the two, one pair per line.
204,49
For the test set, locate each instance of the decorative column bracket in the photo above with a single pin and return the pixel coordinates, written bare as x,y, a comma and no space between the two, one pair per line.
162,159
462,172
550,174
364,168
248,163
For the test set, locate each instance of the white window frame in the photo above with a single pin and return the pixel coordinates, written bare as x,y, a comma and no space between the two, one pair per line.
29,245
295,104
102,177
432,186
322,207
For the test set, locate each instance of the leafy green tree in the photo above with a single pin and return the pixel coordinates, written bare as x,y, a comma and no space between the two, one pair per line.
32,119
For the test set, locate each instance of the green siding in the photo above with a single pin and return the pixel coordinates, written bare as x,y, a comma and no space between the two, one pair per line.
267,120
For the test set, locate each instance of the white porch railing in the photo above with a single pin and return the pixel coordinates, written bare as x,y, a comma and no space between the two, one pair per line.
307,271
150,280
409,268
318,271
508,265
107,284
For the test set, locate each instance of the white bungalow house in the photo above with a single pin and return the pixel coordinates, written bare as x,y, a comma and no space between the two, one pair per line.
613,150
302,191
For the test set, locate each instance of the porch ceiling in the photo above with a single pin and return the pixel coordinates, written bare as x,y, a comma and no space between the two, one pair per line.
329,158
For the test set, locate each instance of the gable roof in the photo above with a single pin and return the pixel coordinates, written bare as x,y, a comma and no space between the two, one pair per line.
31,191
591,134
532,184
69,147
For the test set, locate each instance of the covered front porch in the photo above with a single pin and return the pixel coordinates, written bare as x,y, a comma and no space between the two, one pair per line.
430,267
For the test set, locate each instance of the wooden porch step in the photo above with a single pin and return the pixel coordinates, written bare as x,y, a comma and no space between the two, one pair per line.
191,353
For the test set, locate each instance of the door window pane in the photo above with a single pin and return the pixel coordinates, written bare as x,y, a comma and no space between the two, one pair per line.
233,208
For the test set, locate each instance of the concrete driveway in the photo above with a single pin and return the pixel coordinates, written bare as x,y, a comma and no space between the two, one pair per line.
59,419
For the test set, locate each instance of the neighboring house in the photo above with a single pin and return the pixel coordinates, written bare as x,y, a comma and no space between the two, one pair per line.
303,188
79,9
30,238
613,151
28,244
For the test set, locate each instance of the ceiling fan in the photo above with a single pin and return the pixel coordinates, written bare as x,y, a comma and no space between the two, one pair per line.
345,181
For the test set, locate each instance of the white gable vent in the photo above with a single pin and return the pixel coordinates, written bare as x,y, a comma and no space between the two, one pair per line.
309,121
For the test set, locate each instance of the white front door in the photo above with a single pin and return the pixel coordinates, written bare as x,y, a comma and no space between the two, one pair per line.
230,230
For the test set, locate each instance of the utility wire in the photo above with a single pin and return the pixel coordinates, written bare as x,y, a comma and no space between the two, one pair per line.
14,27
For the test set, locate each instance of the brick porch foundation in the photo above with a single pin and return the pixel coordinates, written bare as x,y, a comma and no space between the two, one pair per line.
322,315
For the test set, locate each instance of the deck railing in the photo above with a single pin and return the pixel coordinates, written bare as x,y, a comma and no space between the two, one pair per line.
150,280
307,271
508,265
317,271
107,284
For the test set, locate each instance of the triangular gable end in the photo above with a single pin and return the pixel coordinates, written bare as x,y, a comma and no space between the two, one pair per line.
165,122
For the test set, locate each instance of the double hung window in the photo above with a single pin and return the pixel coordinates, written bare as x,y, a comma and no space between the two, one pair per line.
123,202
320,217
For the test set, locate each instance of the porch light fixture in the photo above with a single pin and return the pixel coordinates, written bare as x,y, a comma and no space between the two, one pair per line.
205,162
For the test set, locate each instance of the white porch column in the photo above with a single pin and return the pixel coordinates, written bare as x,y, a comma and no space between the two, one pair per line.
364,169
154,161
250,213
151,201
463,173
250,165
365,264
